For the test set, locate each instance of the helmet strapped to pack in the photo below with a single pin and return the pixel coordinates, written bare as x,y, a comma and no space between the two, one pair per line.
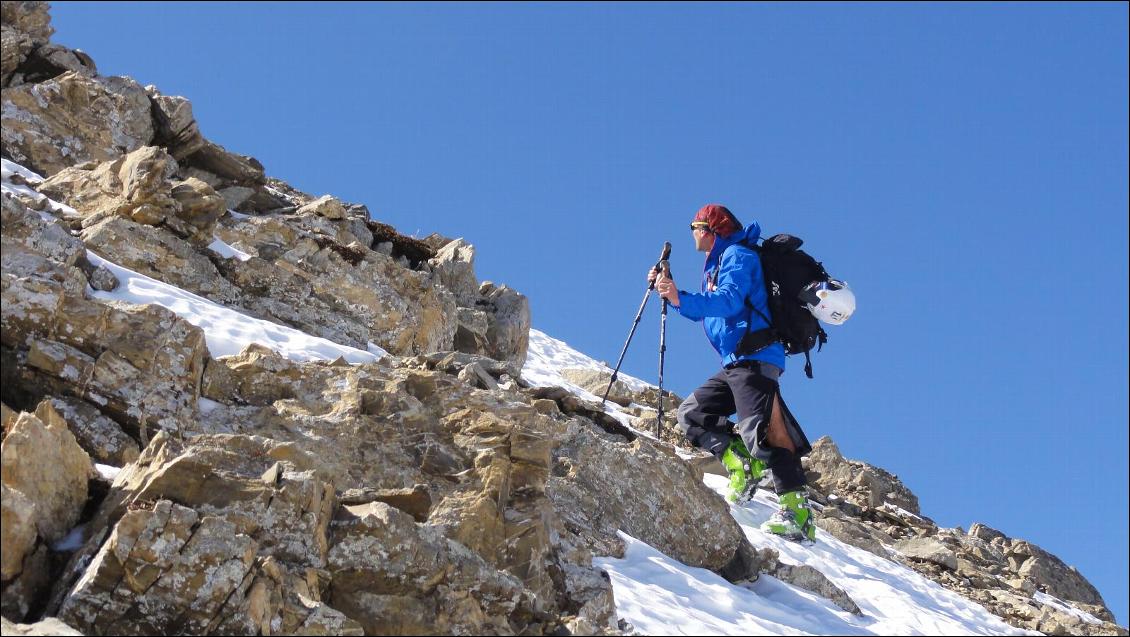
717,219
830,301
799,292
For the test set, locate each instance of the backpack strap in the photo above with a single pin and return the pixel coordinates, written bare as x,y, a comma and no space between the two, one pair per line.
753,342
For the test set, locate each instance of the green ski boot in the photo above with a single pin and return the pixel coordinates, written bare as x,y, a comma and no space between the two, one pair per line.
745,471
794,519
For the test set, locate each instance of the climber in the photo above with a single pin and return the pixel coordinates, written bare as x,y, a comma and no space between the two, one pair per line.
767,435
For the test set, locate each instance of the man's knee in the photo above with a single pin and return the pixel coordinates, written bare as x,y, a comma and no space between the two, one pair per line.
684,414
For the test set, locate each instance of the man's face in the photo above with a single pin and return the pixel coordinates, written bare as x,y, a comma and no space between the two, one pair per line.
703,239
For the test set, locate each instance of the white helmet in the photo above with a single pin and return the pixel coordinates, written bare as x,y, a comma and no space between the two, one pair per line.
830,301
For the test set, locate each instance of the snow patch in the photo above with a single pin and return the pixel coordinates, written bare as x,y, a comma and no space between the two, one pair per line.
9,168
659,595
72,541
1064,607
107,471
228,252
227,331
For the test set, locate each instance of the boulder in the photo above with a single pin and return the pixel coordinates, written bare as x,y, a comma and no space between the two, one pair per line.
139,187
930,550
859,482
44,462
14,49
232,169
601,487
398,577
18,531
175,126
509,314
26,27
27,232
595,382
454,267
50,61
29,18
1051,574
326,206
215,536
101,437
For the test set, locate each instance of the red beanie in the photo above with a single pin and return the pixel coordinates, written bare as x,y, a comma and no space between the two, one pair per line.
718,219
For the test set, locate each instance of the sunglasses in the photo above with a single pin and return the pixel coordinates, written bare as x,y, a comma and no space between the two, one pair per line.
700,226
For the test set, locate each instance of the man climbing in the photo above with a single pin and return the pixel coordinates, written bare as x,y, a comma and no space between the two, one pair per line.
732,303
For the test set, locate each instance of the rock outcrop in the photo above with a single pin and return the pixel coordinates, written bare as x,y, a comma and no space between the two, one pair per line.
869,508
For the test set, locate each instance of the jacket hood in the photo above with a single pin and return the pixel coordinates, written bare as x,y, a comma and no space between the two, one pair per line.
749,234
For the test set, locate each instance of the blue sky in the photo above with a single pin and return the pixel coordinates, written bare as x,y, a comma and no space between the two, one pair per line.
962,166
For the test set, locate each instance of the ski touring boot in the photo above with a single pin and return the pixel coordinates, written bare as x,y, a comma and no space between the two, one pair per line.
793,520
745,471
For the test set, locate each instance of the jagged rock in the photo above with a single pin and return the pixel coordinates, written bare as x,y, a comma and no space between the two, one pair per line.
235,196
140,187
509,314
1051,574
25,230
326,206
645,491
397,577
175,125
49,626
30,18
14,49
862,483
454,266
26,26
930,550
436,241
477,376
104,280
808,578
52,60
233,169
454,362
98,435
471,333
199,206
43,461
483,462
595,382
159,254
415,501
139,364
28,588
71,119
216,536
985,533
852,531
18,531
343,292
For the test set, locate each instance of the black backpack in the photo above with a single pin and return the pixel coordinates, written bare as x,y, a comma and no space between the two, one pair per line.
786,270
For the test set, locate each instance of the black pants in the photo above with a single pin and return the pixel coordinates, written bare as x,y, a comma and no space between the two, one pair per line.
747,389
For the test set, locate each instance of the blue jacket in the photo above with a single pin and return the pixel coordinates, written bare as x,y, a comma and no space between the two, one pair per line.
732,274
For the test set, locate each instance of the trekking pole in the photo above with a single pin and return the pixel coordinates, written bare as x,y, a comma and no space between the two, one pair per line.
666,268
646,296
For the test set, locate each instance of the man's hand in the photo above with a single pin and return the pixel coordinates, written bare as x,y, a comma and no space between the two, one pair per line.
667,289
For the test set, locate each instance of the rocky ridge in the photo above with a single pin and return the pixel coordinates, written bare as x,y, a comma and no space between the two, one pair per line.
431,492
